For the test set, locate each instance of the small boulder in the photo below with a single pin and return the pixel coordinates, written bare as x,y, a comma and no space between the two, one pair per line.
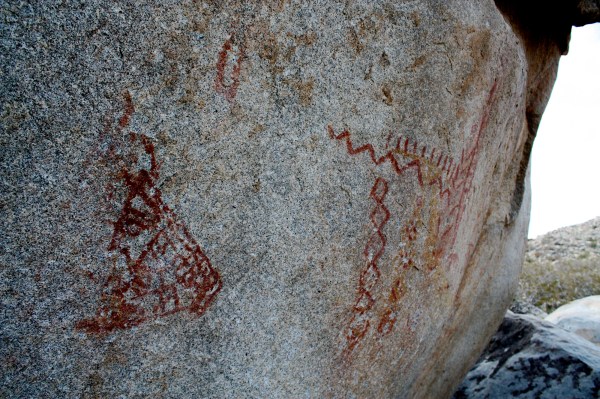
581,317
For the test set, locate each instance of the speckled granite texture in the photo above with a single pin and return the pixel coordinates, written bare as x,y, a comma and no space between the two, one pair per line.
259,199
530,358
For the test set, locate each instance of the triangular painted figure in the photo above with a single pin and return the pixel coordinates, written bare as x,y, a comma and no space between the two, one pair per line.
159,269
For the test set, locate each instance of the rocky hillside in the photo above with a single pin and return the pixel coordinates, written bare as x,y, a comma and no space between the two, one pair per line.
560,266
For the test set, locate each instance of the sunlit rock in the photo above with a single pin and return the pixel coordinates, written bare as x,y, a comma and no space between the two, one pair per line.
581,317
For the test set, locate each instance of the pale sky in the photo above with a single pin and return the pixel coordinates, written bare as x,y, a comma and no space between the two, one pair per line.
565,171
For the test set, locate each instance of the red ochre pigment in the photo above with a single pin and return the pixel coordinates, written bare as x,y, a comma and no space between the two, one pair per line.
453,182
229,89
159,269
374,249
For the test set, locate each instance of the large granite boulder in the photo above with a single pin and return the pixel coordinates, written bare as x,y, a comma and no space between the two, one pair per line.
531,358
263,199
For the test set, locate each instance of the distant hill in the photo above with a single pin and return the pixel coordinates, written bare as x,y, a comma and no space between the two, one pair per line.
559,267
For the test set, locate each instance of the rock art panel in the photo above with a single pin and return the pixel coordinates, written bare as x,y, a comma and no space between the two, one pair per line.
308,199
444,186
159,269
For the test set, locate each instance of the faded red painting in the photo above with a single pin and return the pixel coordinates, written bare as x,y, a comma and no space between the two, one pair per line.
229,66
158,268
437,212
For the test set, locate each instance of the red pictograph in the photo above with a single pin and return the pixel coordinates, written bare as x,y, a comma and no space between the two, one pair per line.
380,215
444,187
390,156
229,66
159,269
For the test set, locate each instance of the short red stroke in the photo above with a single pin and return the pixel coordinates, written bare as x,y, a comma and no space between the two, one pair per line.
229,66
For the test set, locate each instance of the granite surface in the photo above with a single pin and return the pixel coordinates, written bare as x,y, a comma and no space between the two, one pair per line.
531,358
260,199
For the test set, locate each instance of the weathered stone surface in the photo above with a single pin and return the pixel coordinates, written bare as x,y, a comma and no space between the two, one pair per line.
530,358
581,317
264,199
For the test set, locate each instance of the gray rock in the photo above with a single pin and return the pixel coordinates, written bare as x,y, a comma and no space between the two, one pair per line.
523,307
263,199
581,317
531,358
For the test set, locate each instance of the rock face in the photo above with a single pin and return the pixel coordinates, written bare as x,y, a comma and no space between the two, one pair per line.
530,358
581,317
263,199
